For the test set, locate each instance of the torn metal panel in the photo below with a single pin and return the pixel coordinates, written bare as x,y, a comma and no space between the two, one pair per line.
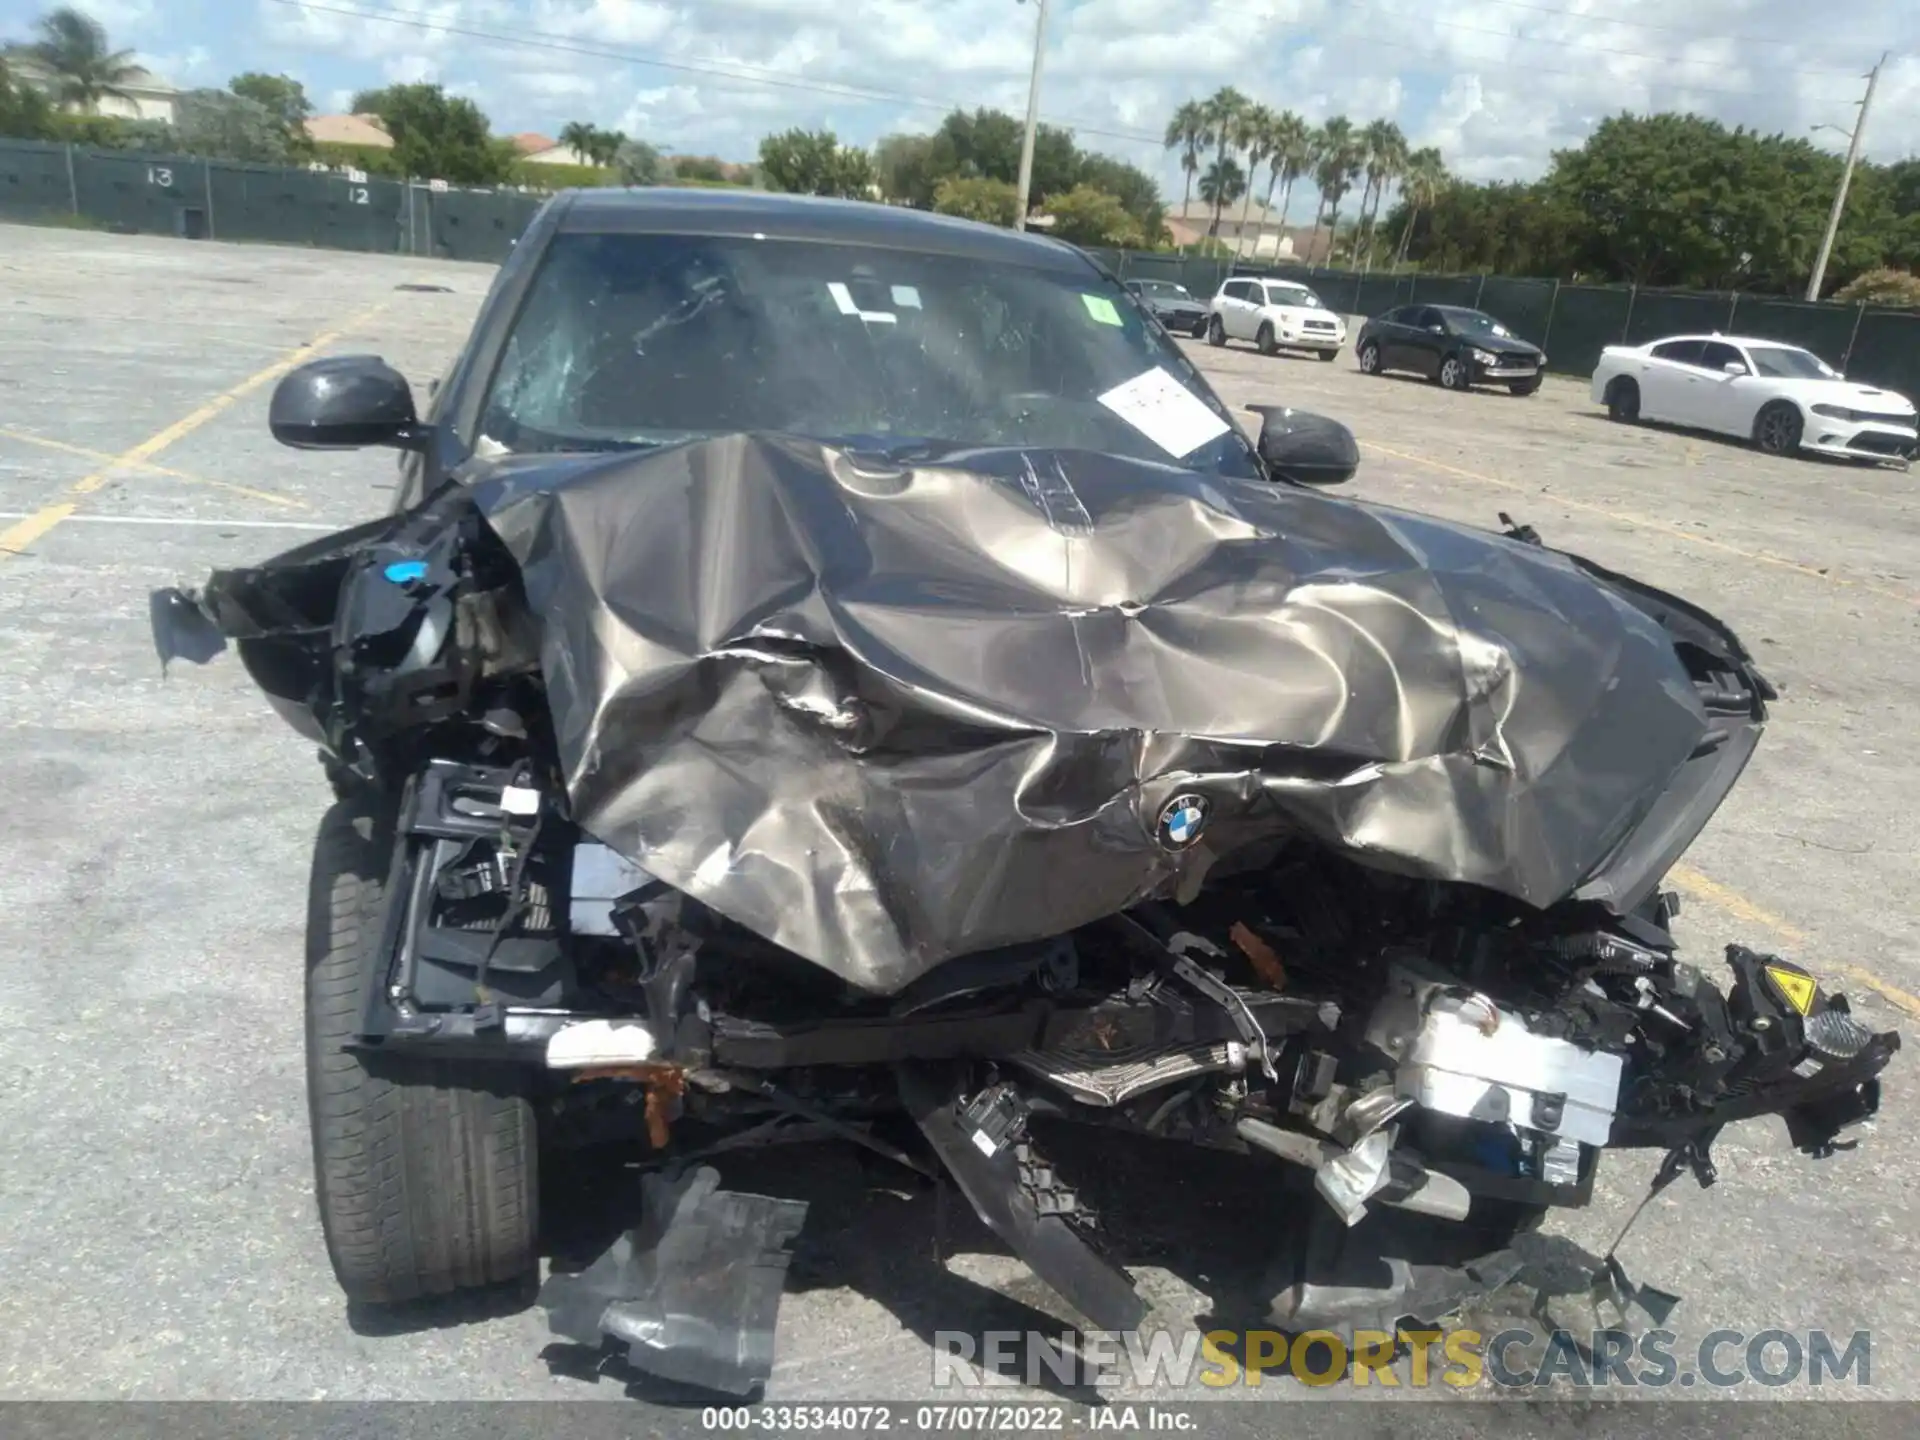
694,1290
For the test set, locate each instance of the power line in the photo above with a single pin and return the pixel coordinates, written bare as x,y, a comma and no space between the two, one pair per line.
741,72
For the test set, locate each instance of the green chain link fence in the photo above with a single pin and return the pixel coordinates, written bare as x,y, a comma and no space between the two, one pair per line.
221,200
1573,323
133,193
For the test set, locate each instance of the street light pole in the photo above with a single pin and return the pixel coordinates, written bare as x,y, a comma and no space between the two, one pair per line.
1846,179
1033,115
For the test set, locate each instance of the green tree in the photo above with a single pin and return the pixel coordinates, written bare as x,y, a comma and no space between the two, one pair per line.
82,67
986,143
1252,134
599,147
903,167
1882,287
437,136
1289,156
1224,183
1679,199
1137,192
25,113
638,163
285,98
977,197
1086,216
1422,183
225,126
1187,132
1222,109
1336,165
814,162
1386,151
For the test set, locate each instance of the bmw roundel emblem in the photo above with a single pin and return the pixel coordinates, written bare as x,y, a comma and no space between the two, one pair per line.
1181,821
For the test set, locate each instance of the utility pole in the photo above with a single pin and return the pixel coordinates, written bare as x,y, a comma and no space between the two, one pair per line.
1846,179
1033,114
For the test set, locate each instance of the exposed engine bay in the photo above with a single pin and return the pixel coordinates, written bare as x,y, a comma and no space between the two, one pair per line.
673,832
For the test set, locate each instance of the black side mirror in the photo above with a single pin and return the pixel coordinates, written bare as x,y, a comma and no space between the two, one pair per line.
344,402
1305,449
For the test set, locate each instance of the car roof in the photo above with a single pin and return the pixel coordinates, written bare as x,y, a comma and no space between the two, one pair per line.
1730,340
670,210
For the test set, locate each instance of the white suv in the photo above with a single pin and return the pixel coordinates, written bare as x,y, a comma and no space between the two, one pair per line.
1275,315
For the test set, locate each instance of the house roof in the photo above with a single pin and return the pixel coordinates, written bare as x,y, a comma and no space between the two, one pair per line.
349,130
532,142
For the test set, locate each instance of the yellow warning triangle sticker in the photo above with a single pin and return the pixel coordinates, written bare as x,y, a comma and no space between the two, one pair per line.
1795,986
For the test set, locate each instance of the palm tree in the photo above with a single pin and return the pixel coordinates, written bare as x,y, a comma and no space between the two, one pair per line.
1224,183
1423,180
581,138
73,49
1335,157
1251,131
1187,132
1223,110
1386,157
1289,156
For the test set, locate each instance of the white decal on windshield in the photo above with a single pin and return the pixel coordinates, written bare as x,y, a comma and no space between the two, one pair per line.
906,297
1165,411
843,297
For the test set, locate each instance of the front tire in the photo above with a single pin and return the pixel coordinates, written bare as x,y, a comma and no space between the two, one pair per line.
1369,359
1623,402
1454,374
1265,342
1216,332
1329,355
1777,428
425,1170
1525,387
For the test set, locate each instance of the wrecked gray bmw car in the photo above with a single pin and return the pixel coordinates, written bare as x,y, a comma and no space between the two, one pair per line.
837,670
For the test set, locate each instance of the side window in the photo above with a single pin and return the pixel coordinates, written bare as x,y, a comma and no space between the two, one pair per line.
1681,352
1240,290
1425,318
1719,355
1399,315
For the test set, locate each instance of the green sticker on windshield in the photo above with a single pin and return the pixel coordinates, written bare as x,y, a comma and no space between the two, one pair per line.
1101,309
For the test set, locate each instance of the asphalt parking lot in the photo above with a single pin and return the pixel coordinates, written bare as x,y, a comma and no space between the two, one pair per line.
156,1216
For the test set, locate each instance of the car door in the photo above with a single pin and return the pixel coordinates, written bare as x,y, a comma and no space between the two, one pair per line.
1390,334
1669,381
1729,401
1426,340
1240,309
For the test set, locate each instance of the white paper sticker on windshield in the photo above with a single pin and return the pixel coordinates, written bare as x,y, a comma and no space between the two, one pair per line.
1165,411
906,297
843,298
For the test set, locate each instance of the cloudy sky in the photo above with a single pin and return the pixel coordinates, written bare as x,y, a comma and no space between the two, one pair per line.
1496,84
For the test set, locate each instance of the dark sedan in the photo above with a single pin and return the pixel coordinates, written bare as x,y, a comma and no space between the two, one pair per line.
1459,348
1172,305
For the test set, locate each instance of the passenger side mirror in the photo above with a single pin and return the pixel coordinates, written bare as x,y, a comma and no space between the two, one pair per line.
344,402
1436,329
1305,449
1734,367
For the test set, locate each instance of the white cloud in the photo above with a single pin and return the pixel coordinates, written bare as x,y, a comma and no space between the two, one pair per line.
1497,84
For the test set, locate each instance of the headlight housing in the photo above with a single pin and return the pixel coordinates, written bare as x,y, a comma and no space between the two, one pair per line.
1836,412
1483,357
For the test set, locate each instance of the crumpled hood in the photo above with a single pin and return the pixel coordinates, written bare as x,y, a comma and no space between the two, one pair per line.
885,716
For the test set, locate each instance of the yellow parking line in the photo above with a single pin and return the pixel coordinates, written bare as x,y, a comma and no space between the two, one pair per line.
1691,882
1645,522
18,537
266,496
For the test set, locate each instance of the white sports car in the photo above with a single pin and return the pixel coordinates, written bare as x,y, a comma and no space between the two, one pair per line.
1781,397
